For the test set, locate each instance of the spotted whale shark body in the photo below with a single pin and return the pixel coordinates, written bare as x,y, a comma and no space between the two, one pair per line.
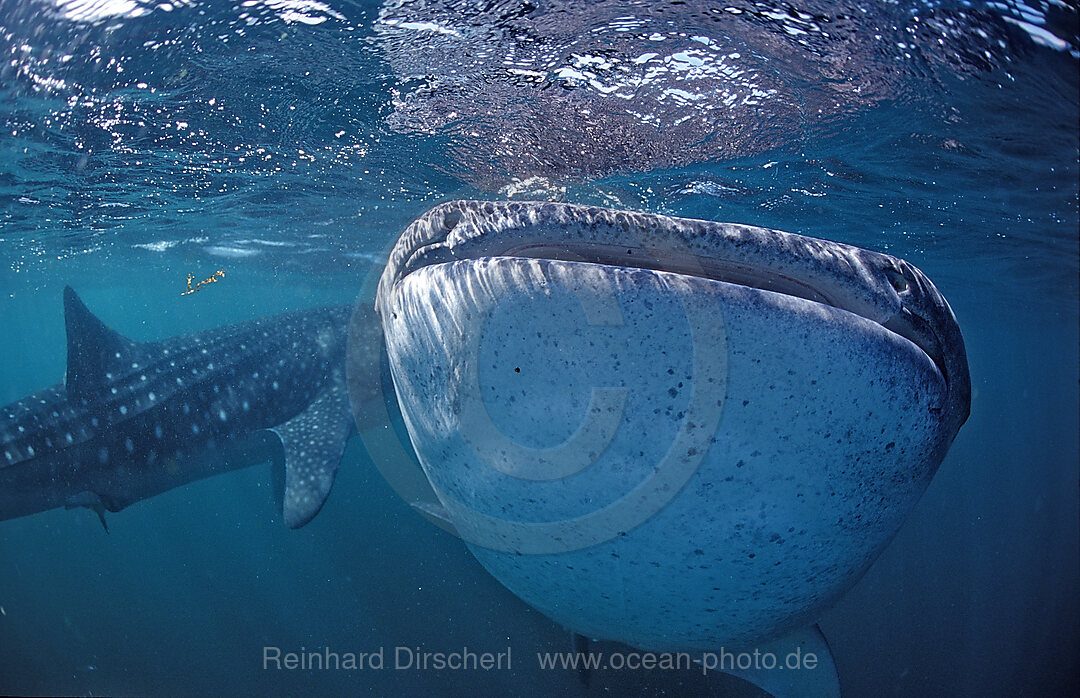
132,420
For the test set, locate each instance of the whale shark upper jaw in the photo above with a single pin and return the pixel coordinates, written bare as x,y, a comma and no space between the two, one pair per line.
879,287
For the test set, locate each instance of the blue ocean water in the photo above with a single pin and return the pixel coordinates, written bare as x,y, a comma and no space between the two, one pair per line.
290,142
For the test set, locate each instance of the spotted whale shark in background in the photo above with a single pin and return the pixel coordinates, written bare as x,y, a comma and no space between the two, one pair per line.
132,420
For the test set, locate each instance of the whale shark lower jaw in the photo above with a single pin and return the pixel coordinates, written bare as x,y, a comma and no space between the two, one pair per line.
135,419
875,286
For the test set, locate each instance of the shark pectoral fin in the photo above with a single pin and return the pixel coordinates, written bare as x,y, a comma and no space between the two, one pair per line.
436,513
314,442
91,501
804,666
580,645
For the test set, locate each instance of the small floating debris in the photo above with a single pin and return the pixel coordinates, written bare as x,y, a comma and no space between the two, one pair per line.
215,277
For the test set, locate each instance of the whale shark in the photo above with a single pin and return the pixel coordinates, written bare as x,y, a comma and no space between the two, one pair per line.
133,419
676,434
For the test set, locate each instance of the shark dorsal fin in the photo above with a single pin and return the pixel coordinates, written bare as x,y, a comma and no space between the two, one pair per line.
93,348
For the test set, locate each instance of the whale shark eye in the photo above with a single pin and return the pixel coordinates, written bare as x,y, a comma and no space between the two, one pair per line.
899,283
451,220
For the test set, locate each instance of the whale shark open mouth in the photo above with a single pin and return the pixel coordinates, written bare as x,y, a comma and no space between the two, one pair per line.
878,287
686,265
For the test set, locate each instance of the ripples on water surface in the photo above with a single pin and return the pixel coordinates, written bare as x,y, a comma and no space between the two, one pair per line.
295,118
289,141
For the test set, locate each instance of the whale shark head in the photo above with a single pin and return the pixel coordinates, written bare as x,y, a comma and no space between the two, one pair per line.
672,433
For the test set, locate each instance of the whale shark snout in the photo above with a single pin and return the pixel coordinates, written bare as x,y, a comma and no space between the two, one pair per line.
672,433
879,287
